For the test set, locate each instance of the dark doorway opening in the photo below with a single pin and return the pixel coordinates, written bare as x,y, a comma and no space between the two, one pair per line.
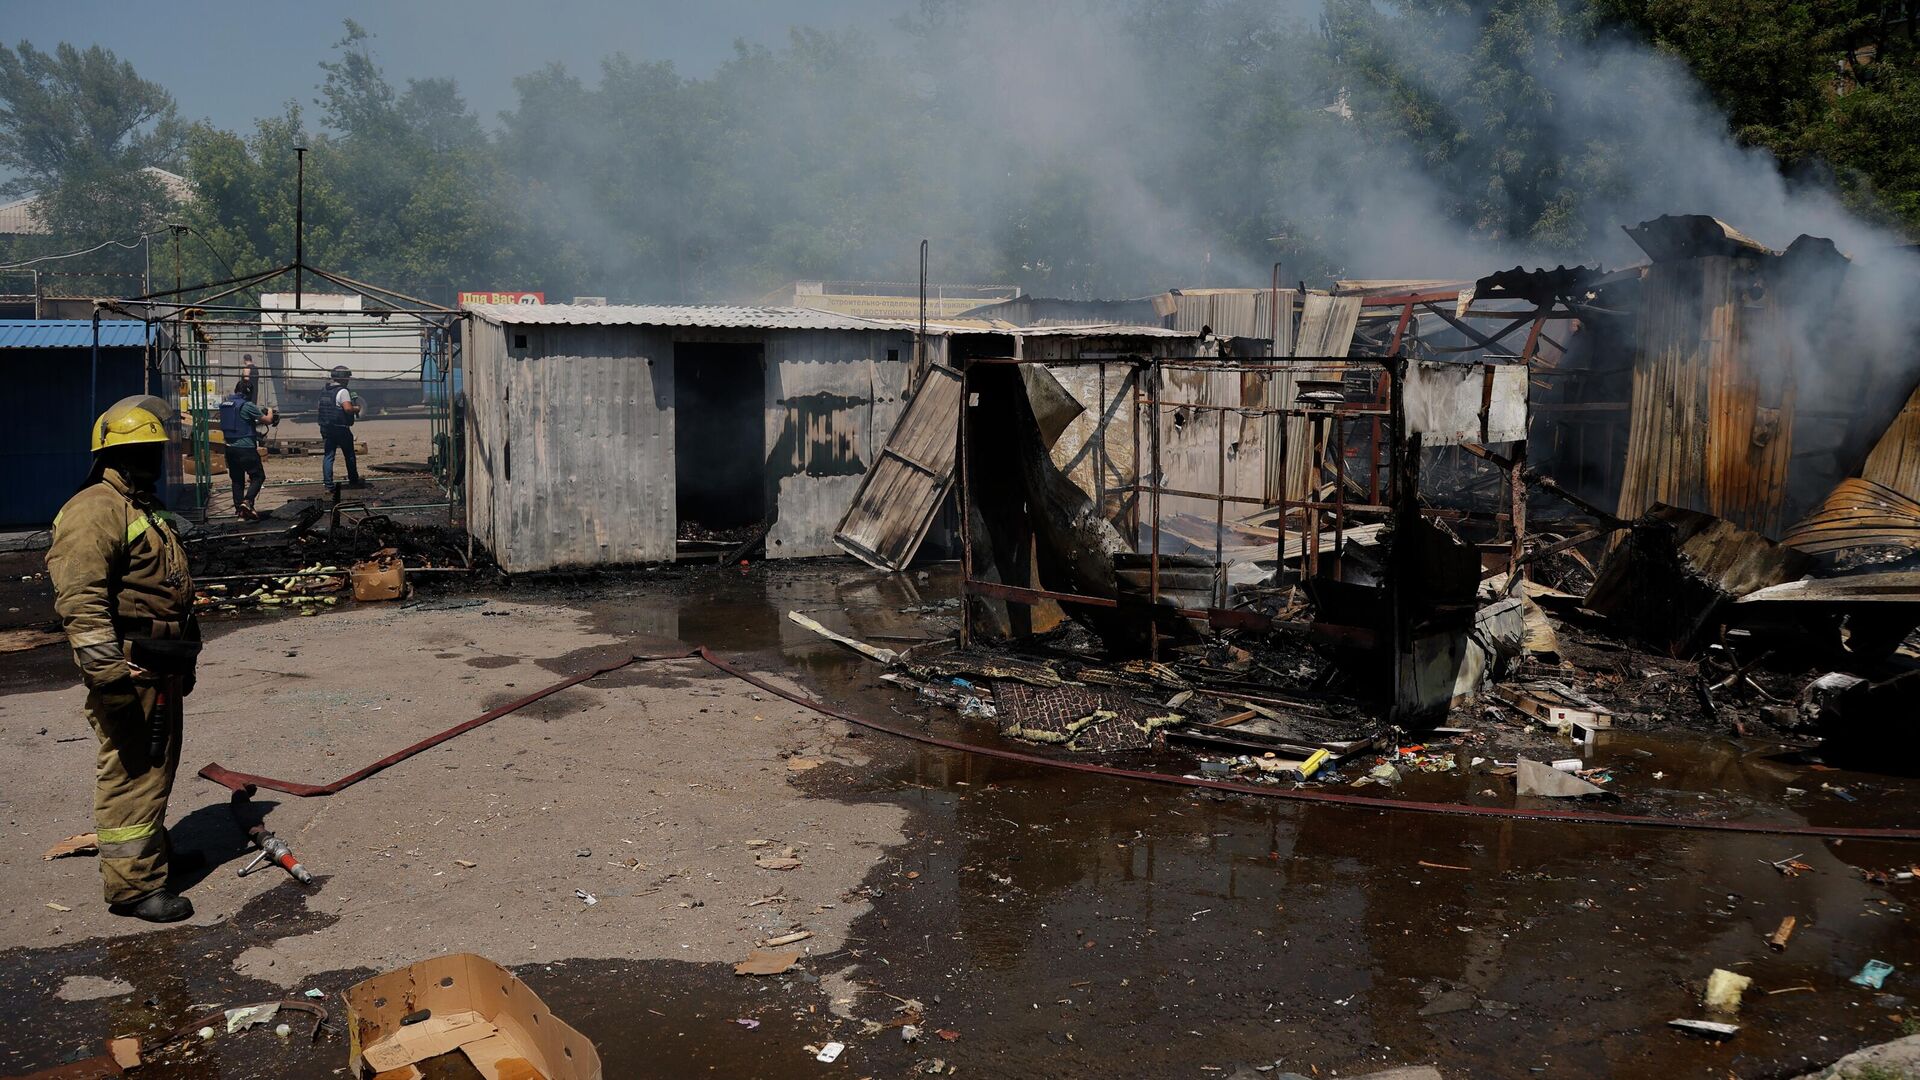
719,437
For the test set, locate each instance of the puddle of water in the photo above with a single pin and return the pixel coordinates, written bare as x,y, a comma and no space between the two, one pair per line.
1063,924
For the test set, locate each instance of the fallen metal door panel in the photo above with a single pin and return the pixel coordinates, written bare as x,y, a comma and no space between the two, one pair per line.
900,495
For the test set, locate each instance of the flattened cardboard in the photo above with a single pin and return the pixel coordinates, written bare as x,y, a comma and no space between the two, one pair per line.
516,1037
379,579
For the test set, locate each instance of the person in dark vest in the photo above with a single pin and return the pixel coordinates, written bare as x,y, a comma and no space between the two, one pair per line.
240,421
337,410
249,386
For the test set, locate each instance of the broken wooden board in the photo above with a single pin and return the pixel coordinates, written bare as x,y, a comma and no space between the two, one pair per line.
897,500
1553,707
871,652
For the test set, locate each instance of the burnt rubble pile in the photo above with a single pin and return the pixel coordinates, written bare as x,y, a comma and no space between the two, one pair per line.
1552,503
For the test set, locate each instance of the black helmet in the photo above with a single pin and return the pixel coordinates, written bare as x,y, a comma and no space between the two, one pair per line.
341,373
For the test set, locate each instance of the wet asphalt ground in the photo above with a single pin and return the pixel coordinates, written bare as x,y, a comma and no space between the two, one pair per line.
1044,923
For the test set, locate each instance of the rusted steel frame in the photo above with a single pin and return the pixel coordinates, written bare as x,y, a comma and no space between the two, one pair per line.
1100,448
1133,395
1316,439
1153,559
1406,300
966,505
1208,496
1220,509
1216,617
1484,341
1533,339
1280,543
1517,487
1546,484
1339,493
1400,328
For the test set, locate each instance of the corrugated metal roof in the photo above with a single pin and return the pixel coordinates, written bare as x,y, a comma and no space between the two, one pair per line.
713,316
70,333
729,317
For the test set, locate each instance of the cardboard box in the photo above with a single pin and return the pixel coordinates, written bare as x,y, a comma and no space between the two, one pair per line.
472,1005
382,577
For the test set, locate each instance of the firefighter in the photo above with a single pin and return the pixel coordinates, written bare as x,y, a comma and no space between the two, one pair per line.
124,596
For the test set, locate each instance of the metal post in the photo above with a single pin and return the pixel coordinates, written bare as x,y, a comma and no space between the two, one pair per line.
1339,491
1100,448
1517,487
1280,523
1316,440
1133,399
299,224
1153,558
966,506
1220,508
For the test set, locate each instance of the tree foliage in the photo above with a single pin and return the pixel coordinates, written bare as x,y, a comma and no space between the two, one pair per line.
1102,151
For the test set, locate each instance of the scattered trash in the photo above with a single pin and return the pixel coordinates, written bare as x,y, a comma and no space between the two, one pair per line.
316,994
947,1035
382,577
829,1052
1778,942
472,1005
586,897
747,1022
283,1030
1572,764
58,907
1542,780
1706,1027
909,1033
83,844
785,860
249,1015
206,1034
1791,866
767,962
1724,989
787,939
465,864
878,655
1873,974
1385,774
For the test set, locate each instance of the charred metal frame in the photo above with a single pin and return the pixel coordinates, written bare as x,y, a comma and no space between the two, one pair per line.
1328,426
184,314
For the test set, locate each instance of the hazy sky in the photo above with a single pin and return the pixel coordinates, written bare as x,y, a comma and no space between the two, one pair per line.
230,62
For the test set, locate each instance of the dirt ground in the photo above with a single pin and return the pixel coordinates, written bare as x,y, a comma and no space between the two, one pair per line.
1051,923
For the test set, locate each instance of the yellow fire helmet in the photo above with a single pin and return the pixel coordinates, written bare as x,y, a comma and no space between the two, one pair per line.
141,418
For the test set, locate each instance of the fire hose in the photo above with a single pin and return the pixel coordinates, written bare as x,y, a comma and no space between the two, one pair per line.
243,784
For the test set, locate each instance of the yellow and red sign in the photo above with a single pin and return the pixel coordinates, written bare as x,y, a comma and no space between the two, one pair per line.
502,298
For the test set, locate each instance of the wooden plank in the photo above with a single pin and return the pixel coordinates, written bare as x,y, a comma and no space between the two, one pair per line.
898,498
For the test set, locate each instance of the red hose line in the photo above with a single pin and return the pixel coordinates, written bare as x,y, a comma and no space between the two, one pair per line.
236,781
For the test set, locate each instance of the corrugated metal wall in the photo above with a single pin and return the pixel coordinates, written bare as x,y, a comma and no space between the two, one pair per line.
1713,396
44,451
576,439
571,445
832,398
